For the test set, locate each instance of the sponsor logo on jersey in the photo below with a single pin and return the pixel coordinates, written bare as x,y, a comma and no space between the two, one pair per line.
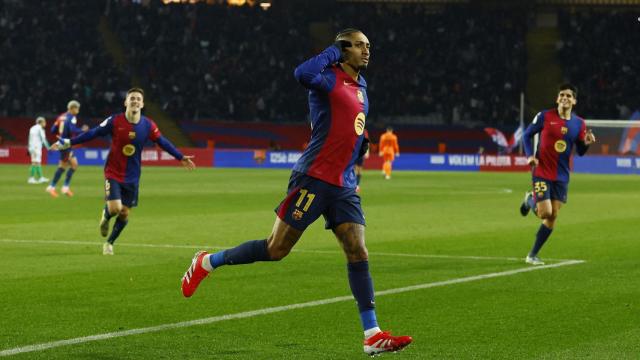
132,135
128,150
564,130
358,124
360,96
297,214
560,146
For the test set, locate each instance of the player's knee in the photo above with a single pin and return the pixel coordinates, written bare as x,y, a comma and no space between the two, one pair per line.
124,213
278,253
357,254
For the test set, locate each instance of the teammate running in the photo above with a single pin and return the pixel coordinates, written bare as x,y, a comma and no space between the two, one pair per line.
558,130
129,132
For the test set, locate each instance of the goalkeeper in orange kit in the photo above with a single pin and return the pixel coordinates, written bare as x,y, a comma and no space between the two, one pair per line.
388,150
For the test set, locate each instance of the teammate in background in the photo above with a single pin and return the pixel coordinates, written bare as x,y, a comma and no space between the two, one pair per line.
558,130
389,150
37,138
360,161
323,182
129,132
65,127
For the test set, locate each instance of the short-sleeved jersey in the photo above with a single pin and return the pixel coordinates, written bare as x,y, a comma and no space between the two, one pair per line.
65,125
557,137
389,143
338,108
127,141
37,138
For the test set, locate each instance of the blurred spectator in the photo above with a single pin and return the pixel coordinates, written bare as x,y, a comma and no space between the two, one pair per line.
53,52
597,55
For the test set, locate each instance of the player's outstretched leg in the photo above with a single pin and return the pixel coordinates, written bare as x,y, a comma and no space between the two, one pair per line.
121,222
275,248
65,188
105,216
527,203
351,237
51,189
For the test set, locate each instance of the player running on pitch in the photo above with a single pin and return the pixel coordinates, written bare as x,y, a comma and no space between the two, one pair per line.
323,182
129,132
389,150
558,130
65,127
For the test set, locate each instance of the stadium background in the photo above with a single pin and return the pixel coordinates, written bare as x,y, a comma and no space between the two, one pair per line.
219,75
219,82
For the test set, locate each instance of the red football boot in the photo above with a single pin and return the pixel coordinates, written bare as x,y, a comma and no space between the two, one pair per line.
194,275
382,341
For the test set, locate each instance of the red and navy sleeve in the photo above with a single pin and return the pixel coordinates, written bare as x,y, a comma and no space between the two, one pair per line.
581,147
156,136
103,129
311,73
534,128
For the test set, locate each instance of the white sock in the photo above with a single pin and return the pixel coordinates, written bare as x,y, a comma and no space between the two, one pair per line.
206,263
370,332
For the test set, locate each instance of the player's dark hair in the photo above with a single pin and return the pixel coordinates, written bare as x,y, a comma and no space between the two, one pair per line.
569,86
389,128
135,89
346,32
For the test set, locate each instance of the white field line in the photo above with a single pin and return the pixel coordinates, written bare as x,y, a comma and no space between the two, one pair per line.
270,310
173,246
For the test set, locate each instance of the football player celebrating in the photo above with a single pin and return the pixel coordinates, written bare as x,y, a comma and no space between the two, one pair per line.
558,130
129,132
323,182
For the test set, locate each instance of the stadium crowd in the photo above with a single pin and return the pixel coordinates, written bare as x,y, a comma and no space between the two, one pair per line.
52,52
443,65
226,62
606,76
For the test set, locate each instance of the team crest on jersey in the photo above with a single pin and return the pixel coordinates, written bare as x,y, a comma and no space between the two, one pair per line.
360,96
297,214
564,130
128,150
358,124
132,135
560,146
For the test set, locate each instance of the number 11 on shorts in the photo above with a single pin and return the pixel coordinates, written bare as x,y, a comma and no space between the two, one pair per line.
305,193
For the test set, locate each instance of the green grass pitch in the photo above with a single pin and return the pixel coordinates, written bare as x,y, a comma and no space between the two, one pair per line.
55,284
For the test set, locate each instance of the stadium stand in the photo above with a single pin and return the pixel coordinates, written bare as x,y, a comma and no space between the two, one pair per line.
51,53
606,76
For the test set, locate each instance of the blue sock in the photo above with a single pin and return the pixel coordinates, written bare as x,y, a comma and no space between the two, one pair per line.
362,289
217,259
245,253
107,215
67,180
56,176
118,226
541,237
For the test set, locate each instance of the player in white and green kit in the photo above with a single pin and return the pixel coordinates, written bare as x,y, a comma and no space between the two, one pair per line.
37,138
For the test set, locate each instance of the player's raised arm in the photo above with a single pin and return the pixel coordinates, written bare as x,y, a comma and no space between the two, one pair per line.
585,139
309,73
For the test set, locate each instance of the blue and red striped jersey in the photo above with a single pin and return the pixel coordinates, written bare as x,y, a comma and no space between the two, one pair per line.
555,143
65,125
127,141
338,108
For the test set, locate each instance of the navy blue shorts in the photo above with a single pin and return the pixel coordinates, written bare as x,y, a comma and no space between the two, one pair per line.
66,155
308,198
544,189
126,192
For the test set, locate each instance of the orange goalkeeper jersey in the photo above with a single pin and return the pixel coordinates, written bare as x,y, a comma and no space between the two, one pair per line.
389,143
